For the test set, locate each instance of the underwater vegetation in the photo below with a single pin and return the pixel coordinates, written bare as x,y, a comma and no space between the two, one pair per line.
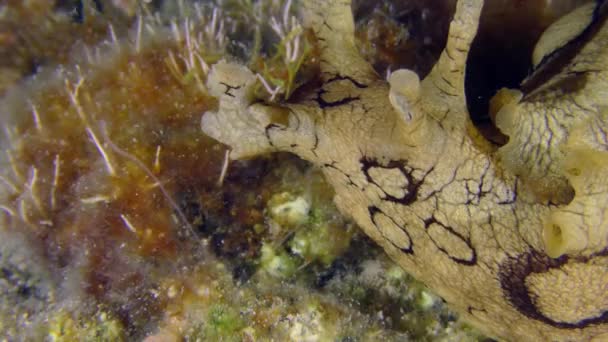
121,220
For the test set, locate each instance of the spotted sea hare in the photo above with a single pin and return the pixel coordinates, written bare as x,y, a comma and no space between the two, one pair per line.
513,237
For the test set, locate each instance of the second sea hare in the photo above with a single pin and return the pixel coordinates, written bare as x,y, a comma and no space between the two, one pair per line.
514,238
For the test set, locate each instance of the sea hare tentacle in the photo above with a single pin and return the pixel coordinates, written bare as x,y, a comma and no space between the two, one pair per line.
408,165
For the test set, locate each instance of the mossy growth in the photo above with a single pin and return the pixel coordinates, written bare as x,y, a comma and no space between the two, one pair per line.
306,232
321,240
277,262
273,43
223,323
287,70
287,209
63,326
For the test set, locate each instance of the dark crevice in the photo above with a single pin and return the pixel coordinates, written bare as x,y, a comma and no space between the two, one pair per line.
501,55
394,34
556,61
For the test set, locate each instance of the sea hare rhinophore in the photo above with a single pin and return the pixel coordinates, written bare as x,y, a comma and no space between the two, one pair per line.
514,238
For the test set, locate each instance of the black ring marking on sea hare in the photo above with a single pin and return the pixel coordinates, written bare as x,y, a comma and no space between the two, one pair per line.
468,262
267,130
373,211
472,310
229,88
411,188
333,166
346,100
513,273
346,78
275,126
328,104
315,144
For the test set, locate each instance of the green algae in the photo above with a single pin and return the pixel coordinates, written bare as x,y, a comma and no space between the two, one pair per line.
222,324
321,240
62,327
278,263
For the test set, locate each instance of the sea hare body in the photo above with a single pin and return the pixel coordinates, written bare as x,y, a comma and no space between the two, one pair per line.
452,209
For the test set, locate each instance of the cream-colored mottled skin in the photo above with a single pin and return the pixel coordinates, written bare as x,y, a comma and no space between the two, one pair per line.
408,165
536,146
